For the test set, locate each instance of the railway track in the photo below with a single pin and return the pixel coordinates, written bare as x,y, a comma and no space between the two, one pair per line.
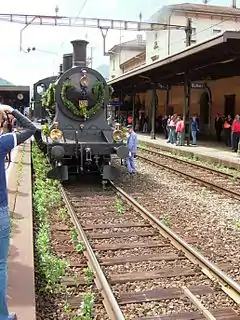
143,269
214,179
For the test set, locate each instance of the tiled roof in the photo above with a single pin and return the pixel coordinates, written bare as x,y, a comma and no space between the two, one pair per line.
204,8
132,44
139,56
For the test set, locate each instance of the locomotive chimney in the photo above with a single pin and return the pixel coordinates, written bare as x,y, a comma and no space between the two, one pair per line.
67,61
79,52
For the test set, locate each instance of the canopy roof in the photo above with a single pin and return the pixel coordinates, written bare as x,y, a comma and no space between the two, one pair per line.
216,58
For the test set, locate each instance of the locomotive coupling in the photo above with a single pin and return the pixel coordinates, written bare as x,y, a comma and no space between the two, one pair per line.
122,152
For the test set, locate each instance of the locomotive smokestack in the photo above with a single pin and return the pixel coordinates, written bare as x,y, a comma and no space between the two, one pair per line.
79,52
67,61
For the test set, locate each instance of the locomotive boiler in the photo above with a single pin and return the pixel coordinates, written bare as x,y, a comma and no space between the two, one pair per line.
79,139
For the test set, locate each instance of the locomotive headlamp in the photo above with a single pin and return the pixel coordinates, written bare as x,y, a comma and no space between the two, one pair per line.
56,134
117,135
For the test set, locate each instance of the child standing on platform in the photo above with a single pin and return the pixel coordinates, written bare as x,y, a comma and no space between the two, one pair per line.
180,131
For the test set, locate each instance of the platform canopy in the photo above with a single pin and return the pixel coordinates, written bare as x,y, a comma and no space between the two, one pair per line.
216,58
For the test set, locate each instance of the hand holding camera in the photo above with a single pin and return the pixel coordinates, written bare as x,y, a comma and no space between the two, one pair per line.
5,108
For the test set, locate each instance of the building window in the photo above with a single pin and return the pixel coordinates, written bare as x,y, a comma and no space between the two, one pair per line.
216,31
113,65
194,31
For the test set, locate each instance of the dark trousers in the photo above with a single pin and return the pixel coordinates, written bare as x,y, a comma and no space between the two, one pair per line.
227,136
165,132
218,133
235,140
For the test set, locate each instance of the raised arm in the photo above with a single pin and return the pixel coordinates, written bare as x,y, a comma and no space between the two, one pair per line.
28,127
10,140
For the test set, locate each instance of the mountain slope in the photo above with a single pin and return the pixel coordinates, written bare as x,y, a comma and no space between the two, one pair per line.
104,70
4,82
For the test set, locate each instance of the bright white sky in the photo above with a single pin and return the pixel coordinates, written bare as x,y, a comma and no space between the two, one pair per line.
25,69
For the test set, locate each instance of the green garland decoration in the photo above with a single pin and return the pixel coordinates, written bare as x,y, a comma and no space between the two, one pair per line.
49,97
98,90
46,130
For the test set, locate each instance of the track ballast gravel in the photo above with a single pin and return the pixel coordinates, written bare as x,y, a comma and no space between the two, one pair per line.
189,209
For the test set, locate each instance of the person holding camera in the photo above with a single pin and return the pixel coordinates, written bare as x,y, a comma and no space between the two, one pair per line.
7,142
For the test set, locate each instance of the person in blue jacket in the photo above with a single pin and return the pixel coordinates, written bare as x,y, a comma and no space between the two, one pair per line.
132,147
7,142
194,129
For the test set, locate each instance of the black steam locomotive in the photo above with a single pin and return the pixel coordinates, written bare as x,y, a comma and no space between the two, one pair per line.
79,139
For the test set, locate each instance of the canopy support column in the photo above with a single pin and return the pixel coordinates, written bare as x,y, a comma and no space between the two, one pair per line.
154,94
186,107
133,107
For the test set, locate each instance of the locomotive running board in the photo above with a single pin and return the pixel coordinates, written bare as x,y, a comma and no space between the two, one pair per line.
58,173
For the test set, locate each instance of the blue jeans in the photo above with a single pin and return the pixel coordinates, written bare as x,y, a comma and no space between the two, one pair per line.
4,246
172,135
194,137
130,163
235,140
180,138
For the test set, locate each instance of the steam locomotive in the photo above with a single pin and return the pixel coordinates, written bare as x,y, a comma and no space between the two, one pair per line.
79,139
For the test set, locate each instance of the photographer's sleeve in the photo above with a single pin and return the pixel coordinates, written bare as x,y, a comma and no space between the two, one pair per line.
28,126
7,142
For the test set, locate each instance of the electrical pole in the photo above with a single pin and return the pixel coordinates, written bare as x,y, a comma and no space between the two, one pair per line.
187,86
188,31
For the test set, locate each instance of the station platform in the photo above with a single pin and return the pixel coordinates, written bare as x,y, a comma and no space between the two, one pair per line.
21,284
215,152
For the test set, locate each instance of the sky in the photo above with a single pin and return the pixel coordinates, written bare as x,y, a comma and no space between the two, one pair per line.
51,43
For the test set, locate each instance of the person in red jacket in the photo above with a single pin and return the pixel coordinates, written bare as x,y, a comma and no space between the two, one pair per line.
235,133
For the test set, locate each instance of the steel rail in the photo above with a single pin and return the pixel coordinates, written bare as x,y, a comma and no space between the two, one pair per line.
197,165
111,304
228,285
232,194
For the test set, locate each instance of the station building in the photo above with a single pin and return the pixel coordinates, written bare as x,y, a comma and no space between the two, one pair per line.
211,92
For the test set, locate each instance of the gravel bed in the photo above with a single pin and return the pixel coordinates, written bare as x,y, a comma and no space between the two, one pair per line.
166,307
129,240
226,182
135,251
113,220
148,266
122,230
100,313
192,210
217,300
195,159
162,283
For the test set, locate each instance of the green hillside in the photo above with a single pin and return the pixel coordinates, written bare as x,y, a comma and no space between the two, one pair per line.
4,82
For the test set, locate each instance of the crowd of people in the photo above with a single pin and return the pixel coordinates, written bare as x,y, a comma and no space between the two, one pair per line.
228,130
174,129
172,126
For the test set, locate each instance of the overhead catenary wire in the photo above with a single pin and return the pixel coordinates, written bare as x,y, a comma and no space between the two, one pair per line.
65,39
